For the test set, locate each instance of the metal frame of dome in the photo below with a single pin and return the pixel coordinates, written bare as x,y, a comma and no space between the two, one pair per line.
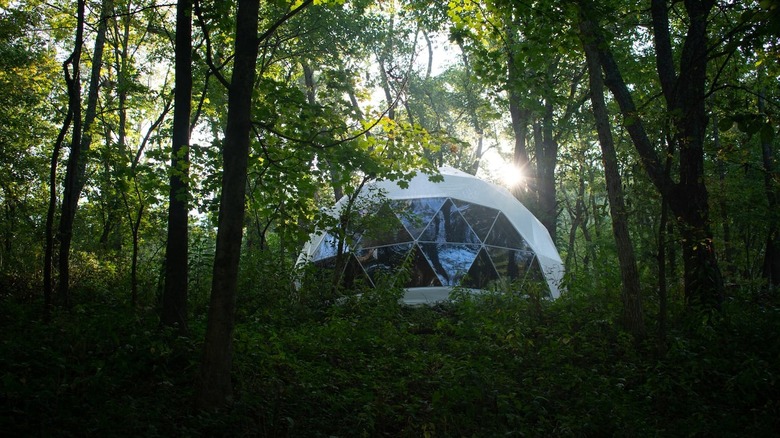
461,228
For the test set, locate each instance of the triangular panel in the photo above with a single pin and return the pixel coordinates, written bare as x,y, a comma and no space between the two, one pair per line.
384,260
421,273
511,264
480,218
449,261
416,214
505,235
481,273
534,271
354,275
449,226
327,248
384,229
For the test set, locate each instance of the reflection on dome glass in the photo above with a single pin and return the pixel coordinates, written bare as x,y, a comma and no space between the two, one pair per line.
449,261
389,229
383,260
417,213
328,248
455,243
354,275
480,218
513,264
449,226
422,274
482,272
505,235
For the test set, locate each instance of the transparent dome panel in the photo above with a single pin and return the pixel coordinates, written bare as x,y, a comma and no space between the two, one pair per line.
448,225
353,276
416,214
505,235
421,274
535,271
479,217
510,263
450,261
383,229
384,260
481,273
328,248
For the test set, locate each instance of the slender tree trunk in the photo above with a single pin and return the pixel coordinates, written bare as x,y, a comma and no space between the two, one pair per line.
135,226
216,388
633,318
578,217
311,98
728,250
471,107
771,268
48,282
174,302
386,88
80,143
520,118
546,161
72,185
662,288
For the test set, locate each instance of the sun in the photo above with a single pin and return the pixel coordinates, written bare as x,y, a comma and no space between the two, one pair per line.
502,171
512,176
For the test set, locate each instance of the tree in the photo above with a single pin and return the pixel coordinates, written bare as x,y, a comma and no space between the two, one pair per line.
81,140
631,295
215,387
520,51
684,91
174,303
71,68
28,78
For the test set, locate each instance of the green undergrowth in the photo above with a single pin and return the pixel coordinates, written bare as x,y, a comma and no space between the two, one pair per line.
493,365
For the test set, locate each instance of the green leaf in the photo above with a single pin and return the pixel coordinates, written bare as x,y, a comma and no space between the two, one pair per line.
725,124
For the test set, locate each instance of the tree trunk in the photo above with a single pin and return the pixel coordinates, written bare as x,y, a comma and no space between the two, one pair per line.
771,268
174,302
728,251
662,289
135,226
703,282
216,388
520,118
48,281
546,161
74,170
684,95
429,46
471,107
81,141
578,215
311,98
633,319
391,101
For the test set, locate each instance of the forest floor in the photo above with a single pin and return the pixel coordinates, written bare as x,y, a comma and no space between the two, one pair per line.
490,366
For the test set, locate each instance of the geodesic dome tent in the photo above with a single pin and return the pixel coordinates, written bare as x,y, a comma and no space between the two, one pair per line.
462,231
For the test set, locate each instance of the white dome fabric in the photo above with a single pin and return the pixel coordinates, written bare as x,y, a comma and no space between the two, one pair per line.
464,232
